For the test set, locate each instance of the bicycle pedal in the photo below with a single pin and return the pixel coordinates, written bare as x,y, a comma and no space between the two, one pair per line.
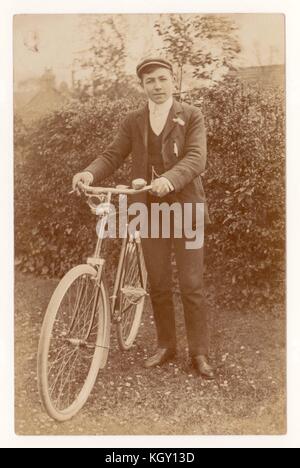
134,293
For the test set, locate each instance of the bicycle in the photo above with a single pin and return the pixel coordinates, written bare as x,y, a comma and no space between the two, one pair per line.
75,335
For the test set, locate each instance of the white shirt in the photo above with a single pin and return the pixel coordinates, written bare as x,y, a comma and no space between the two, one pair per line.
159,114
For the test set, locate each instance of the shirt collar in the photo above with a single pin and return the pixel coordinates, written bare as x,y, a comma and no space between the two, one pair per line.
163,108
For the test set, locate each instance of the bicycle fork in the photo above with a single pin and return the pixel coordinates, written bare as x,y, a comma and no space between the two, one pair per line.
98,263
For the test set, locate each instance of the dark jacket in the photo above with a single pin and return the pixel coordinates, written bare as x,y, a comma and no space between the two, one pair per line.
183,170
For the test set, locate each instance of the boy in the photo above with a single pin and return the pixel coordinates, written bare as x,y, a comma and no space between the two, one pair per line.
168,145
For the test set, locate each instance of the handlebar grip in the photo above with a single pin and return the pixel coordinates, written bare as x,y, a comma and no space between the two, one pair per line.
139,184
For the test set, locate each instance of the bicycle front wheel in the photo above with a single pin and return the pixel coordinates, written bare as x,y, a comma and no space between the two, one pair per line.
74,342
132,295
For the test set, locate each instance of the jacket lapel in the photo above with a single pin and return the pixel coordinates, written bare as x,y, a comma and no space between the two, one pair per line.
175,111
142,121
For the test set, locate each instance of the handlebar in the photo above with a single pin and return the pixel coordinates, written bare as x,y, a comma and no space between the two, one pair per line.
88,190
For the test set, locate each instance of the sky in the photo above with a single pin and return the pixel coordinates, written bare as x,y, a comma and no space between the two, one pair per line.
42,41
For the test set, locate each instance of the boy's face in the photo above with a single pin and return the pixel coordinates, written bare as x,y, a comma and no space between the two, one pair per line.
158,85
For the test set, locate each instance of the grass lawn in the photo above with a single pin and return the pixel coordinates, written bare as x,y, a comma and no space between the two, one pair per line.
248,396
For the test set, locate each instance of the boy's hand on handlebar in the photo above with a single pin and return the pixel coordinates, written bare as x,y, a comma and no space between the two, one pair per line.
161,187
85,177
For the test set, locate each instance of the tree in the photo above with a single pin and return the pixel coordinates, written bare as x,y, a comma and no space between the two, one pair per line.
203,46
103,61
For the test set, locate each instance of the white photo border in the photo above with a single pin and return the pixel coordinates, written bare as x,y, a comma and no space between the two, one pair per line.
291,10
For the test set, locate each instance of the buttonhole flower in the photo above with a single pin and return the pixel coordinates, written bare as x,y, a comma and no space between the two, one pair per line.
179,121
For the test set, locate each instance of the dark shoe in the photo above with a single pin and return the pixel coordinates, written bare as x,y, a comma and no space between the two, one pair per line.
202,367
162,355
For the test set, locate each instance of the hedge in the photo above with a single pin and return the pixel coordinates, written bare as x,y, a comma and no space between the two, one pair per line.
244,183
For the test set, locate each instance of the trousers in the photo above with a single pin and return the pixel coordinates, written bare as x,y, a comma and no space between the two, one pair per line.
190,263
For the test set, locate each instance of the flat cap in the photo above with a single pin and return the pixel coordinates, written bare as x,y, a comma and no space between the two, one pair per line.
154,60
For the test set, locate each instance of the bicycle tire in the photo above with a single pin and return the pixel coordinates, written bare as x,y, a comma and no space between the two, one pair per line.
129,321
97,341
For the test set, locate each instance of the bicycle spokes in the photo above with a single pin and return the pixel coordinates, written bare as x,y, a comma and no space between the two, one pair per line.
73,342
132,295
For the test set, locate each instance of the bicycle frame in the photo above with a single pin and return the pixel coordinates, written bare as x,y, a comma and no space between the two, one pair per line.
99,262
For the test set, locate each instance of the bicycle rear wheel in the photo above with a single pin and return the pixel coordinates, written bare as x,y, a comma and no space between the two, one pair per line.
74,342
132,295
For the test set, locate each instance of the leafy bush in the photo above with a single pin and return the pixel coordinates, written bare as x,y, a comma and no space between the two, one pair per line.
245,186
244,183
55,230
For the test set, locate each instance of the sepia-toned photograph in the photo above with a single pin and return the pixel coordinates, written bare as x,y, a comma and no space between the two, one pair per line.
149,224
